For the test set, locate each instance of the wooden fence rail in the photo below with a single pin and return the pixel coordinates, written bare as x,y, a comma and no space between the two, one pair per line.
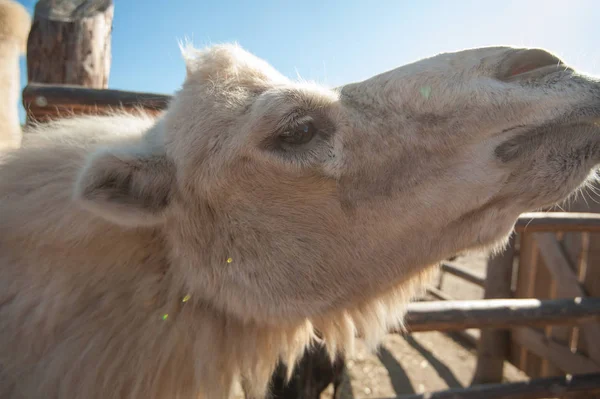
534,389
46,101
499,313
536,222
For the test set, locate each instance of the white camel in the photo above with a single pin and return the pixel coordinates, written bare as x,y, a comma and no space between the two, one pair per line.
169,258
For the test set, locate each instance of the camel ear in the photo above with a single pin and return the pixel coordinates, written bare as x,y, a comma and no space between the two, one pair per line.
229,66
127,186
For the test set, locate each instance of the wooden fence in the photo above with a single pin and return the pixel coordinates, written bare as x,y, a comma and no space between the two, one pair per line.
559,263
552,255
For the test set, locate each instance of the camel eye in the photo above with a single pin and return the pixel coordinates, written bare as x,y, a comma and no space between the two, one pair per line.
300,134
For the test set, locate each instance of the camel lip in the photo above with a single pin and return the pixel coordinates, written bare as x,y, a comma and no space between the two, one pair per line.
587,114
529,136
565,123
593,122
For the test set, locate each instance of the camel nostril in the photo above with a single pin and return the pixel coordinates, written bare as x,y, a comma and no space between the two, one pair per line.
520,62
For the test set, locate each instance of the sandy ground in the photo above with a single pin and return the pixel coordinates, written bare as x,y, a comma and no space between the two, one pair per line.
421,362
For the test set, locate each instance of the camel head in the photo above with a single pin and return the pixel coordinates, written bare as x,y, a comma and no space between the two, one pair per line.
284,200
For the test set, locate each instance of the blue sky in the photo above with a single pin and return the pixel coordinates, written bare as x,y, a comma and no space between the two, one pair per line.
334,42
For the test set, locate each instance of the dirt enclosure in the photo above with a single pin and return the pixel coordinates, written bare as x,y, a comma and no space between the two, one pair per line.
421,362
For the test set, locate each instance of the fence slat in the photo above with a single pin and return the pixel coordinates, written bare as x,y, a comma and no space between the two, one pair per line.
558,264
558,355
493,345
463,273
575,248
526,273
499,313
567,284
46,101
71,95
558,221
591,283
439,294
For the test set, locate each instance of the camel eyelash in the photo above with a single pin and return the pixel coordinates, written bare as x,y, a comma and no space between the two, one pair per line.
291,119
300,135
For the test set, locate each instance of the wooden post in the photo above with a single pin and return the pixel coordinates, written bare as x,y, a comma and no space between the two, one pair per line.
70,42
493,344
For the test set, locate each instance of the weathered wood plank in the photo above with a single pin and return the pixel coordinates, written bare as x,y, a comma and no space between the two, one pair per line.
557,354
499,313
439,294
61,112
557,262
493,345
558,221
575,246
48,95
591,284
463,273
527,270
534,389
44,102
567,284
543,286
